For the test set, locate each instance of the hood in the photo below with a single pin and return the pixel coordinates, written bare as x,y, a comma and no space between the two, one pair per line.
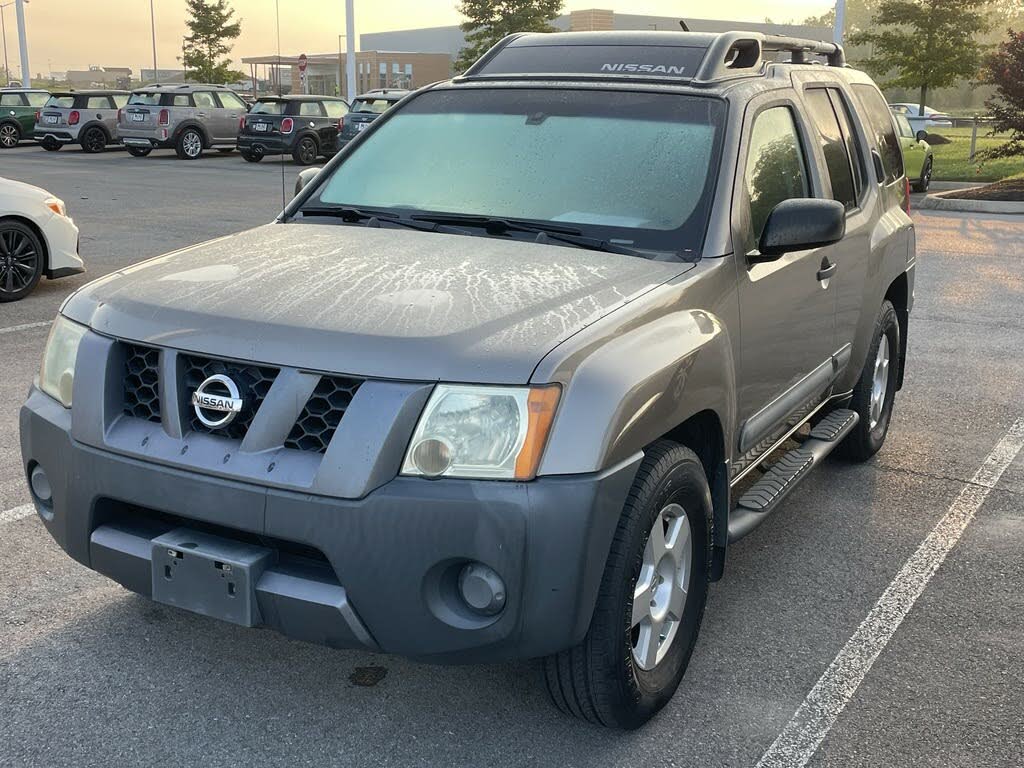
370,302
22,190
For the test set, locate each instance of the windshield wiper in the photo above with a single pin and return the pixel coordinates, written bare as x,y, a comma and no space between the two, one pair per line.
544,232
375,218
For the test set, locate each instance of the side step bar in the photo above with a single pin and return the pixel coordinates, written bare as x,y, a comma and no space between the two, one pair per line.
764,496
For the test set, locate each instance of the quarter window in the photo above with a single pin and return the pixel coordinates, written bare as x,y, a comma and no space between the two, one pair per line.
336,108
120,100
776,169
11,100
880,124
230,100
310,109
97,102
840,170
181,100
204,99
37,99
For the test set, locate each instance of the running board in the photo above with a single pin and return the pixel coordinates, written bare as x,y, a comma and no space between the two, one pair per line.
766,494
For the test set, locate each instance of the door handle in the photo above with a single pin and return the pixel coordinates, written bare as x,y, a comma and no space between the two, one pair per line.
827,269
200,114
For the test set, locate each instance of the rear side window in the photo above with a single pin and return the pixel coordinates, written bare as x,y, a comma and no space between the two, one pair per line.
904,125
204,99
97,102
268,108
880,123
60,102
776,169
11,100
37,99
310,109
229,100
120,99
833,146
145,99
179,100
336,108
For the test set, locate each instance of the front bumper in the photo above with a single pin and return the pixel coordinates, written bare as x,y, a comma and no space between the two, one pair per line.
62,242
386,581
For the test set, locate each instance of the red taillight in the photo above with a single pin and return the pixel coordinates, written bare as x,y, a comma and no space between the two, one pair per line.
165,117
119,115
287,124
74,117
906,194
241,123
38,115
341,124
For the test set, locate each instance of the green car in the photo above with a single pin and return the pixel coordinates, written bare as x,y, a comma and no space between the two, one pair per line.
18,108
917,154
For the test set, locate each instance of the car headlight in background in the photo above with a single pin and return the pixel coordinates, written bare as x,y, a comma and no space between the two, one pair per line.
57,375
56,205
482,432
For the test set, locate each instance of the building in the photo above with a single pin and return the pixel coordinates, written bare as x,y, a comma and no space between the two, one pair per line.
162,76
374,69
102,77
450,40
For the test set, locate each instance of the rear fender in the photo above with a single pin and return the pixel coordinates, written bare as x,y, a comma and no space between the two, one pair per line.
207,141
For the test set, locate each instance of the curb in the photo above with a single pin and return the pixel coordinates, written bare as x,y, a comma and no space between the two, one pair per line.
941,202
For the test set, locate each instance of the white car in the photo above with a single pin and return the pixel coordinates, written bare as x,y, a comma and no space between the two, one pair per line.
37,238
929,121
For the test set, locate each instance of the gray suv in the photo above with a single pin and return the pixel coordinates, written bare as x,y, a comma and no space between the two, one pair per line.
88,118
185,118
515,393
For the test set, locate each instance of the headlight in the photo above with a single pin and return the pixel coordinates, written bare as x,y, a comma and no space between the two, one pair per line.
57,376
482,432
56,205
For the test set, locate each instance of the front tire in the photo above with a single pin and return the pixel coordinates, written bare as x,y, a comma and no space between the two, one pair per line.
94,141
189,145
306,151
21,260
651,601
875,392
10,135
922,184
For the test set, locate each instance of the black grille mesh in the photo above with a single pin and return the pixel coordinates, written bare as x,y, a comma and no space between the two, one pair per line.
142,382
320,418
253,383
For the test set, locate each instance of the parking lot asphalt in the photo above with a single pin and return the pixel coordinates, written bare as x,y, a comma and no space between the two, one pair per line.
91,674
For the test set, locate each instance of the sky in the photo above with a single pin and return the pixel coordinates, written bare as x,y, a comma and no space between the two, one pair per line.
74,34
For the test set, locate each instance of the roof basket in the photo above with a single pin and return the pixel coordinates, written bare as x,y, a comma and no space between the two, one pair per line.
739,54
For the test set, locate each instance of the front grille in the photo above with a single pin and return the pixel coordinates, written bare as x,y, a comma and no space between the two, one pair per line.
142,382
320,418
253,383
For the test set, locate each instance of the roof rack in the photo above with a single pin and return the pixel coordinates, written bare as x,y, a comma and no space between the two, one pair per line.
667,57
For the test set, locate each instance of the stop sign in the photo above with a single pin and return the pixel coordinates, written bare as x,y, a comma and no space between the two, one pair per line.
302,63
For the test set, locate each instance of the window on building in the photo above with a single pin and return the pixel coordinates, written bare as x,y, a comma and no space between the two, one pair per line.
383,75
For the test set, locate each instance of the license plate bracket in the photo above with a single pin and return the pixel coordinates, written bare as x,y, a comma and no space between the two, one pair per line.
209,575
261,127
138,117
51,119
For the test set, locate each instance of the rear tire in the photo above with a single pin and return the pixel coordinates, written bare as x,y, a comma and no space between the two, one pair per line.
623,672
922,184
881,370
94,141
189,145
50,145
139,151
10,135
306,151
21,260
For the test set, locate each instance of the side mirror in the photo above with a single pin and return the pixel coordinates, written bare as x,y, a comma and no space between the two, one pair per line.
922,135
801,224
305,176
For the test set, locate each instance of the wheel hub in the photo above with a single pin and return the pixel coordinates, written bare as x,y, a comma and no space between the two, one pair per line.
880,381
659,597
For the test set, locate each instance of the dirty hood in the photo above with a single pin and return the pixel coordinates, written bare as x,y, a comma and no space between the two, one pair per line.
370,302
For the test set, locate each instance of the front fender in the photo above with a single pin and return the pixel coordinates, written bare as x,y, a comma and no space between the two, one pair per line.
631,380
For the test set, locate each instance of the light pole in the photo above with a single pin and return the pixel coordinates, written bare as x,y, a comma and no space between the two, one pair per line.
26,73
837,32
350,53
3,29
152,28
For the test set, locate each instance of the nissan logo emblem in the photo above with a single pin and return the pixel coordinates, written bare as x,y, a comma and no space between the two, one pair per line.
216,401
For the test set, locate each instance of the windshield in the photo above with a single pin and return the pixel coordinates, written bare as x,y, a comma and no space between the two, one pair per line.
268,108
145,99
60,102
633,168
377,106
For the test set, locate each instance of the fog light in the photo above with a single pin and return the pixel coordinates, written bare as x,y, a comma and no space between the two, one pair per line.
40,485
432,457
482,589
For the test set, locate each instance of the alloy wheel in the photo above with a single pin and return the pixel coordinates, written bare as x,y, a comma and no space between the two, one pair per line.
18,261
880,382
193,144
8,136
95,141
307,152
659,597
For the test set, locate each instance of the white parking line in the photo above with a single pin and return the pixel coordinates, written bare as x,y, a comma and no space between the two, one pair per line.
10,515
25,327
817,714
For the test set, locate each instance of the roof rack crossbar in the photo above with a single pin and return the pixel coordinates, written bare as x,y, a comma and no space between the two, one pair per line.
737,54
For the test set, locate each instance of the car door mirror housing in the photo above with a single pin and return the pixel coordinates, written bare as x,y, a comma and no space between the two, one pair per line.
801,224
305,176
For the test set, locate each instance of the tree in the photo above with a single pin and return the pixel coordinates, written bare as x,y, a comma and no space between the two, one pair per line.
925,44
1002,68
212,25
491,20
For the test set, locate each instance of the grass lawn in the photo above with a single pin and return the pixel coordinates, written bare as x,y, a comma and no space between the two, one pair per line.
952,164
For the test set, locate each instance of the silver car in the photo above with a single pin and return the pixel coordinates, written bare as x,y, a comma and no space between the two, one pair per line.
185,118
88,118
